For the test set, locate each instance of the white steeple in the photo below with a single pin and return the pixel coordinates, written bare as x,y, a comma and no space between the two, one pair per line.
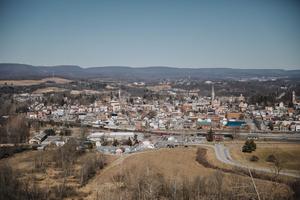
294,98
212,92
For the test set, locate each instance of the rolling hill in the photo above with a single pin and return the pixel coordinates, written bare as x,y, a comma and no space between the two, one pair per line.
23,71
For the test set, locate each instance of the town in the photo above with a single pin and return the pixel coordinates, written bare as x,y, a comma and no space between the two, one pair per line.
124,119
149,100
180,110
161,110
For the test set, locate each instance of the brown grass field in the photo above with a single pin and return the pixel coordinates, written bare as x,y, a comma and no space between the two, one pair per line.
177,164
23,164
34,82
288,154
48,90
174,164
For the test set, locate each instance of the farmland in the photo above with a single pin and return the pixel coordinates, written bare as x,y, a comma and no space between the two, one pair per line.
34,82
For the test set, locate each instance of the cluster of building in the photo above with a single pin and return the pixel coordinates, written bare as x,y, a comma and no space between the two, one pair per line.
178,110
279,118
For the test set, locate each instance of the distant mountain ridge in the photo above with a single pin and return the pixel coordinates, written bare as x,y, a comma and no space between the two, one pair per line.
23,71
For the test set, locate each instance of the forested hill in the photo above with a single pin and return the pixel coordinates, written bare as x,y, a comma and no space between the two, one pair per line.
23,71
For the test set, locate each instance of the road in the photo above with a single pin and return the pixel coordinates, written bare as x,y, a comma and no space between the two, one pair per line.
223,155
272,136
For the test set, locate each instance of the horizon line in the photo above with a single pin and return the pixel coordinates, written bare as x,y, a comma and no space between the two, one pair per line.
150,66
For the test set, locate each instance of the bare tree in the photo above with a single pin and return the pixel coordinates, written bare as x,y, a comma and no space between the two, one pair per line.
16,130
92,163
278,164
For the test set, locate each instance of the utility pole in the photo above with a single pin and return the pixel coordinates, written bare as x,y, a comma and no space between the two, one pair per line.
253,182
258,197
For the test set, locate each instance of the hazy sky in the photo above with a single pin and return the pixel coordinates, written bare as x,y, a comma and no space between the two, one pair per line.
186,33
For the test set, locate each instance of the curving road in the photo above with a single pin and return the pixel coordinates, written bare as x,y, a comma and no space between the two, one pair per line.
223,155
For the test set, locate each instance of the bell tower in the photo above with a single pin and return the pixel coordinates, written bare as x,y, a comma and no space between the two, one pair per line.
294,98
212,92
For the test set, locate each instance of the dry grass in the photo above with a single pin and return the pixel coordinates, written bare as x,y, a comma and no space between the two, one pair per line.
52,177
48,90
88,92
34,82
21,161
174,164
288,153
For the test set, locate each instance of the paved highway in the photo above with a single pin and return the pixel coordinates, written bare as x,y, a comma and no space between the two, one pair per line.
223,155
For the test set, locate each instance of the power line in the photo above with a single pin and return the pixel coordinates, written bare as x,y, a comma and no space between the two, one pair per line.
258,197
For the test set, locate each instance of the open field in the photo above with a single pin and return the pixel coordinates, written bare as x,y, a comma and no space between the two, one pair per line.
34,82
89,92
173,163
48,90
177,164
288,154
123,173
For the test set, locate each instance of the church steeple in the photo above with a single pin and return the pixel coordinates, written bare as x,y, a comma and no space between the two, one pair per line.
294,98
212,92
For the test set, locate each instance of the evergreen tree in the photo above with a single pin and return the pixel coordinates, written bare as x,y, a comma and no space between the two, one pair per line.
210,136
249,146
128,142
115,142
135,139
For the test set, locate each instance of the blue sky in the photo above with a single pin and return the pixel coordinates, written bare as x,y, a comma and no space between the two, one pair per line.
228,33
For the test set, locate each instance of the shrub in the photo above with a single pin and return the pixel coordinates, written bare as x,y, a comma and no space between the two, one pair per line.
149,185
7,151
49,131
115,142
246,149
201,157
39,162
252,145
90,166
210,136
249,146
13,188
65,157
271,158
128,142
65,132
61,191
254,158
